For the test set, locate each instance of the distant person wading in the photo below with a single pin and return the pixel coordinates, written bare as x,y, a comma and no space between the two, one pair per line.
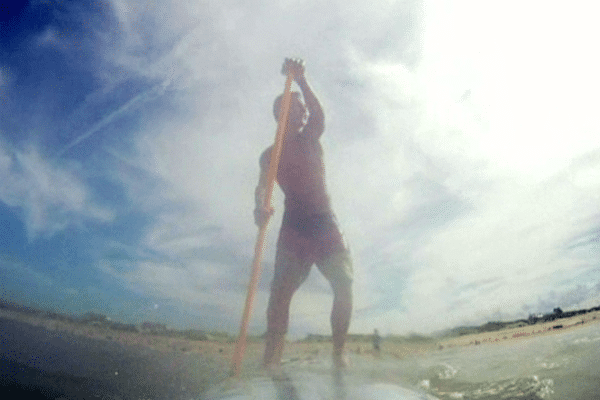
376,342
309,233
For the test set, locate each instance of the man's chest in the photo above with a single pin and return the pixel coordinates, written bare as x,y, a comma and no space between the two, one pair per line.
301,153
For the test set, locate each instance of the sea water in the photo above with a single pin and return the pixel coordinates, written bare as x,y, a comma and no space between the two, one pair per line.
565,365
562,365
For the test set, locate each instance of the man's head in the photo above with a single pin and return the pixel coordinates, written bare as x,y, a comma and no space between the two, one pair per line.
298,113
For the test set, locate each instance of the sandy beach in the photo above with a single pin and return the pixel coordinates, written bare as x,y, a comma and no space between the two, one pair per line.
67,359
527,331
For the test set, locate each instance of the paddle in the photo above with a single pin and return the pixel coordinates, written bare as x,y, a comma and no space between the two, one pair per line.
240,346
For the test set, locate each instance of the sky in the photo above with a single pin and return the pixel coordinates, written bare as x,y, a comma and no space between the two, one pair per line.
462,156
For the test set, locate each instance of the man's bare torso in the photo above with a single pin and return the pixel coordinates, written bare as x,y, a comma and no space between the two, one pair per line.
301,174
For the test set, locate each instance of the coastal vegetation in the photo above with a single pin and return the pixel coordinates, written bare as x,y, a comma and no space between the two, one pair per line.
533,319
159,329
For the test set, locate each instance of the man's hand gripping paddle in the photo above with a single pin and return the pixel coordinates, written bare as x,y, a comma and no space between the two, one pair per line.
240,346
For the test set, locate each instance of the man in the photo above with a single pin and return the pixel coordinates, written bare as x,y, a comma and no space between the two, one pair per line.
309,233
376,342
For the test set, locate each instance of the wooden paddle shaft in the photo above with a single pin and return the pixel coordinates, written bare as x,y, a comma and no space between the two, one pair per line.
240,346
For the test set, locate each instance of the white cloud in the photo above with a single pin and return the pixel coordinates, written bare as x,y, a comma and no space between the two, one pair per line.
207,288
516,239
24,274
53,197
455,172
49,37
532,84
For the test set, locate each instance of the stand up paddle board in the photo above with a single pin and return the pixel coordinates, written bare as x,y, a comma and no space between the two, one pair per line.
310,386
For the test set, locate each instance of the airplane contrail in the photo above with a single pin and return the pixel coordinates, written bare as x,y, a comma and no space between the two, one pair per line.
155,91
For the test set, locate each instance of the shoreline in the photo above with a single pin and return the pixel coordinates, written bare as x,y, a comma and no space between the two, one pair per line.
528,331
68,358
223,351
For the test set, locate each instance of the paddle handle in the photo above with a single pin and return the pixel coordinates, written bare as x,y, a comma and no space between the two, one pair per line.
240,346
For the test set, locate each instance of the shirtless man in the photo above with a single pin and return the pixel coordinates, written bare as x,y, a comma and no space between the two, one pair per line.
309,233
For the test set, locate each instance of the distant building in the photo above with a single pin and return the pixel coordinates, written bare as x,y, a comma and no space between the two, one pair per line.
93,318
317,338
153,327
119,326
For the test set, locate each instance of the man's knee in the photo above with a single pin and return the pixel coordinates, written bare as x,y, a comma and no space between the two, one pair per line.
290,272
342,287
338,269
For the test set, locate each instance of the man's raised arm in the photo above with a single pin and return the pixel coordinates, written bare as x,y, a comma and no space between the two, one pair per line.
315,125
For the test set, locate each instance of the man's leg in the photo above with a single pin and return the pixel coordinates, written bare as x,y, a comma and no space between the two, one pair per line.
274,343
290,272
340,319
277,322
337,268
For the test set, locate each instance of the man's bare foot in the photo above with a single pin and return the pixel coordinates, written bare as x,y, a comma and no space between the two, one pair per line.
273,350
272,369
340,360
